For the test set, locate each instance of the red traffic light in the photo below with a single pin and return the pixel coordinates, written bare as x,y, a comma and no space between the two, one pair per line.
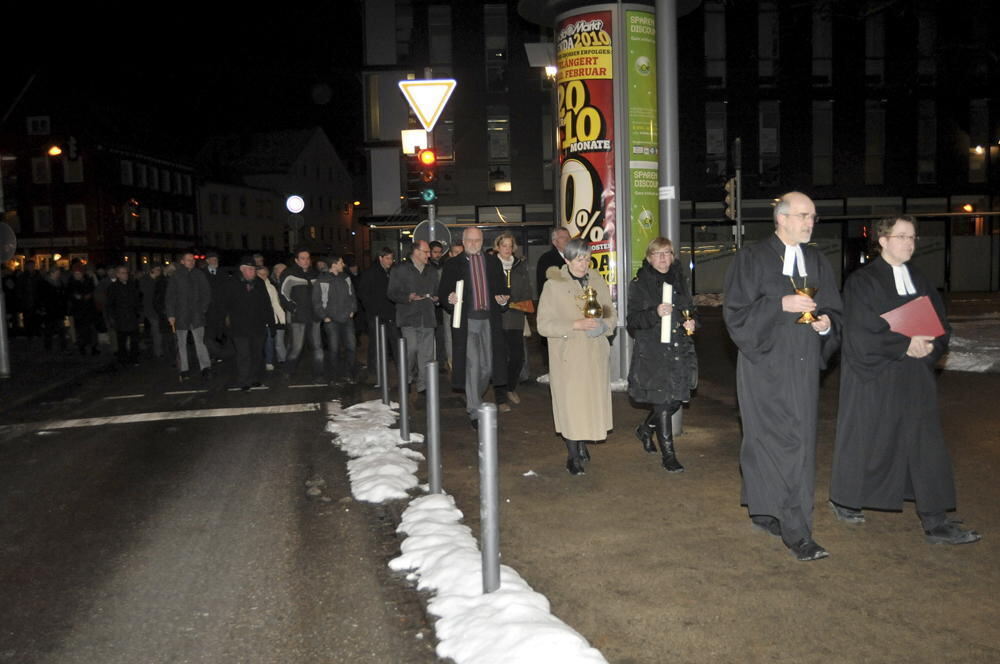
427,157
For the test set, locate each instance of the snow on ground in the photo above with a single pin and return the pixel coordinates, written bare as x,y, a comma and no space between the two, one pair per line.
975,345
512,624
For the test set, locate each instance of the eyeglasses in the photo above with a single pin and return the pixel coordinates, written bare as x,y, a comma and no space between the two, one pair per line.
905,238
803,216
662,254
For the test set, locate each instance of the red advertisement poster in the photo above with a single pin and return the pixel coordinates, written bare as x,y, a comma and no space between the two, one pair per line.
586,134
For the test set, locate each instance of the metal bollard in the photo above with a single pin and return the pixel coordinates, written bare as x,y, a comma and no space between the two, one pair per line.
383,371
404,393
433,429
489,497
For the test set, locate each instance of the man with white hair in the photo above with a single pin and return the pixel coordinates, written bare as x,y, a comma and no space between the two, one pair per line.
478,344
778,369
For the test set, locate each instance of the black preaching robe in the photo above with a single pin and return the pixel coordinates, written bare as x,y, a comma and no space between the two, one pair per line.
777,379
889,442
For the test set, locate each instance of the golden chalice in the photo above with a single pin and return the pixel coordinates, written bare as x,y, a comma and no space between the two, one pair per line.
687,316
807,316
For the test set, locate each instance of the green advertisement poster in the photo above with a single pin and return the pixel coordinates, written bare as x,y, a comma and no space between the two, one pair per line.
643,155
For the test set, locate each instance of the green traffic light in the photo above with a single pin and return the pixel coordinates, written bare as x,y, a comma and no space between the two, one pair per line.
428,195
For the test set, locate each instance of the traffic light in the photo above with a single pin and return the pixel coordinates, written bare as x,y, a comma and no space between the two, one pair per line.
731,202
427,160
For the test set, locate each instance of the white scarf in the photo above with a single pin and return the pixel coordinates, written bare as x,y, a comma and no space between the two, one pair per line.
793,255
904,285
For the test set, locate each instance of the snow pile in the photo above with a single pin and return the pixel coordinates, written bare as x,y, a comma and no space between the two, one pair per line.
512,624
975,345
379,468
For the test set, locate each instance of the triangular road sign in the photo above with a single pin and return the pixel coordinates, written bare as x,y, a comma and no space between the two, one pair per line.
427,98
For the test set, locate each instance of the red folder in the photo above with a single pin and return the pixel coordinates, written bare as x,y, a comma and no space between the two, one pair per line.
915,318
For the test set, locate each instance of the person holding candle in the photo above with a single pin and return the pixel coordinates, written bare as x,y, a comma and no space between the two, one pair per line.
664,366
579,374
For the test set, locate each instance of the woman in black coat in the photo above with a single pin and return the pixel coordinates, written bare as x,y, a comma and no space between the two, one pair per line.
661,374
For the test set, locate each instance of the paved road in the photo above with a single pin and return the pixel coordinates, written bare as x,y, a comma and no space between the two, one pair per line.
191,539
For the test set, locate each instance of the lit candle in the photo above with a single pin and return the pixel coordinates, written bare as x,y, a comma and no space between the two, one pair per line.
456,318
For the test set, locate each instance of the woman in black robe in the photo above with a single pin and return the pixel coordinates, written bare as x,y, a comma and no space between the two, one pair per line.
661,374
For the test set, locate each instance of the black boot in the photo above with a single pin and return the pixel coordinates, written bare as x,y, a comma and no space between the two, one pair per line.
644,432
665,437
582,451
574,463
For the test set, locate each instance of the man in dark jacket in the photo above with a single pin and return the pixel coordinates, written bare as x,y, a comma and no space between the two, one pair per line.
124,306
413,287
551,258
479,352
248,307
373,291
147,286
187,300
296,298
334,304
215,317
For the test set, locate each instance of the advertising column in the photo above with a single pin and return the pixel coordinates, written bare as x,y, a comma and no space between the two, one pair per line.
586,135
640,31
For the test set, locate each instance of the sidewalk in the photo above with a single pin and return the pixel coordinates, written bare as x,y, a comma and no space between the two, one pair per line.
653,567
35,371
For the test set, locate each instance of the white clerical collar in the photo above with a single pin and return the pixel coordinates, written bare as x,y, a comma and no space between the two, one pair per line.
904,285
793,255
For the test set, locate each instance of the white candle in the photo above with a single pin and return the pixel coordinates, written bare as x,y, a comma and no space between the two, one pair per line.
668,298
456,318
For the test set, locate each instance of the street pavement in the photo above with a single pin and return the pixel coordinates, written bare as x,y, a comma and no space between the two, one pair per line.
123,534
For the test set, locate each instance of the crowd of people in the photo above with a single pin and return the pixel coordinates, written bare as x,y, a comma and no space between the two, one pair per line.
465,306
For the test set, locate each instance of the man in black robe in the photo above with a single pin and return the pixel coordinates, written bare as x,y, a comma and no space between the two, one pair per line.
779,367
890,447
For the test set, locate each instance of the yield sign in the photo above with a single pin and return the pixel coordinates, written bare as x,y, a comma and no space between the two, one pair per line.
427,98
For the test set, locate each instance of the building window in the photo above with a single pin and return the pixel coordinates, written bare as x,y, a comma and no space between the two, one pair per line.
498,154
42,217
178,183
154,178
770,142
144,219
926,38
38,125
767,41
73,170
495,38
715,44
243,206
874,142
164,180
875,49
140,175
76,217
126,172
404,29
979,145
225,204
157,221
40,171
187,185
168,221
926,142
190,223
245,240
822,46
439,33
822,142
715,140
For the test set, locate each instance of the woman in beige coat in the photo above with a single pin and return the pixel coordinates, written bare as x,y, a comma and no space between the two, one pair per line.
579,376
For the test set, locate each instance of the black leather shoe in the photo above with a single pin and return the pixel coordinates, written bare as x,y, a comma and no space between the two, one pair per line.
766,524
806,549
575,466
951,533
846,514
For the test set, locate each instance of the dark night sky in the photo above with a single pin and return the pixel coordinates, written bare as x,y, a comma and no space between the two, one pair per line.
192,72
